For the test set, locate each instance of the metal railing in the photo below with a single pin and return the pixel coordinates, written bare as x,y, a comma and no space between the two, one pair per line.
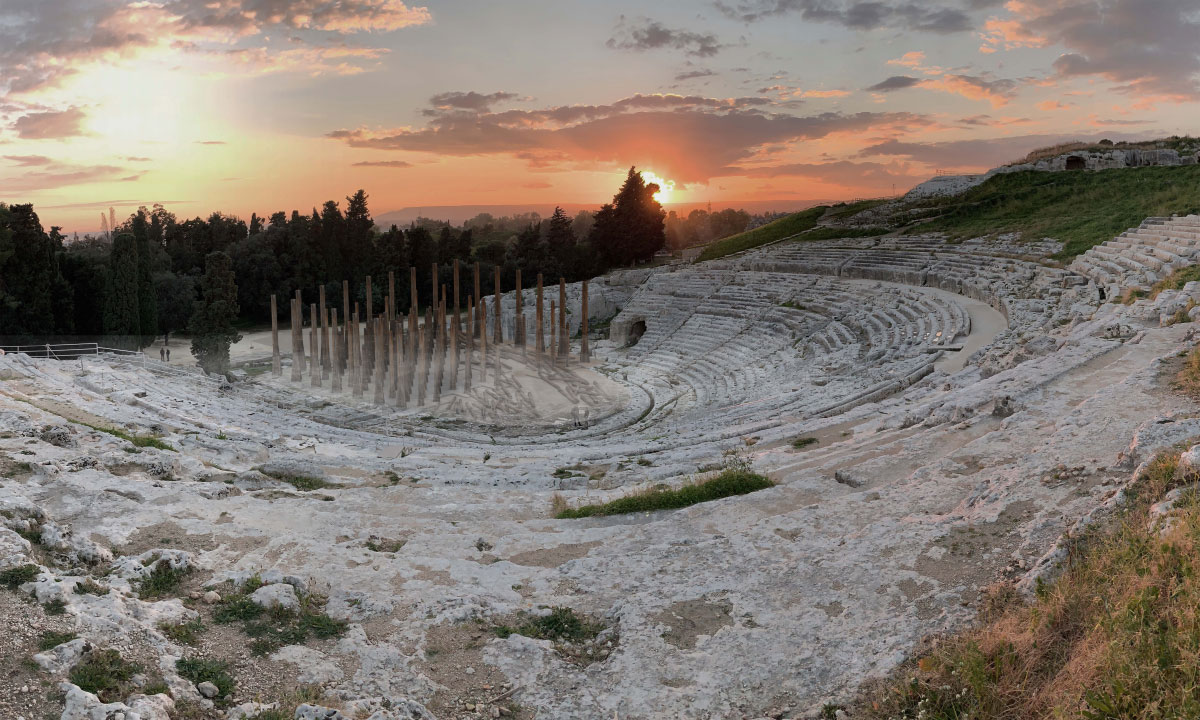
77,351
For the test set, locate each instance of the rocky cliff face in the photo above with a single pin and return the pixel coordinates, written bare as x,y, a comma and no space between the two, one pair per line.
1115,158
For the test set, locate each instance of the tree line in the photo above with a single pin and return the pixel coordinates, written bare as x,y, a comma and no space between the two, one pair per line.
155,274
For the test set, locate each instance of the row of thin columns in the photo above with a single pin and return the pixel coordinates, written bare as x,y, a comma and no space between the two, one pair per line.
398,363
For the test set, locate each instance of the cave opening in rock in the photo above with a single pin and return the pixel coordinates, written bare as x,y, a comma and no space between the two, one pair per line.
1076,163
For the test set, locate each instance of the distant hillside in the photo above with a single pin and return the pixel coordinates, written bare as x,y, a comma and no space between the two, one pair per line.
456,214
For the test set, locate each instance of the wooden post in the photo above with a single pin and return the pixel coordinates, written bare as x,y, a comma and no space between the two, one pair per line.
297,345
519,316
354,350
585,355
564,340
379,358
498,333
276,367
336,378
313,329
324,317
481,310
540,334
479,325
553,335
470,338
345,347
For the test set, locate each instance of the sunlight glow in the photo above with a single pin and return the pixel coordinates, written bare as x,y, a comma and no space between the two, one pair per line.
666,188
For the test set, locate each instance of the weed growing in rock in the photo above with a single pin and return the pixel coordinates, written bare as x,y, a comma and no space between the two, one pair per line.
384,545
729,482
104,673
199,670
90,587
140,441
161,581
55,607
1115,636
187,632
275,627
14,578
300,482
52,639
802,442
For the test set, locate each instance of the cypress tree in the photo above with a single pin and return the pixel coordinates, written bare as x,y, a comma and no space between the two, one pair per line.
214,313
122,318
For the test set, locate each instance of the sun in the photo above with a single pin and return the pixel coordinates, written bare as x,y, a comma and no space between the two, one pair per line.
666,188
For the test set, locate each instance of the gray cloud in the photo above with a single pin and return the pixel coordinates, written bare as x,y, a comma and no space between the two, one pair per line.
66,175
396,164
895,82
472,100
50,124
693,74
856,15
646,34
688,139
987,153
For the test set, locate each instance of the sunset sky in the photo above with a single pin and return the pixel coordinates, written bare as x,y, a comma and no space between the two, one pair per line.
265,105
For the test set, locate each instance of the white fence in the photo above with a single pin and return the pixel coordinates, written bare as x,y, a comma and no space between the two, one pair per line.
78,351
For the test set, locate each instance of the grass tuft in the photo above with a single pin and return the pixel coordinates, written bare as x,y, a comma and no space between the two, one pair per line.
186,632
52,639
140,441
276,627
561,624
802,442
1117,635
14,578
732,481
105,674
199,670
780,229
161,581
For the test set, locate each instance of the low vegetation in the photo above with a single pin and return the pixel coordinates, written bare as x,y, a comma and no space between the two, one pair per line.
1116,636
561,624
52,639
275,627
1081,209
802,442
1188,378
199,670
14,578
162,581
300,482
781,229
141,441
105,673
187,633
731,481
1176,280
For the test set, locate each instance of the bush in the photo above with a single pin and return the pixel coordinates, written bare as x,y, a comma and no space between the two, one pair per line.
732,481
199,670
105,674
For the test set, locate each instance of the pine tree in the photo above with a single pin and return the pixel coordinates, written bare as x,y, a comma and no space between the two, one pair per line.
122,319
146,294
631,229
29,274
214,313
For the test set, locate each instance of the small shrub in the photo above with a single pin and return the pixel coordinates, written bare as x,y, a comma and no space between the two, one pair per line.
14,578
163,579
300,482
187,632
199,670
52,639
104,673
732,481
55,607
90,587
802,442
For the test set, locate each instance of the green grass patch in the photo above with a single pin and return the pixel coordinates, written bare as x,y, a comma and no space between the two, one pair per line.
52,639
778,230
300,482
561,624
162,581
732,481
1176,280
140,441
842,211
57,606
104,673
14,578
200,670
186,632
837,233
1117,635
275,627
802,442
1081,209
